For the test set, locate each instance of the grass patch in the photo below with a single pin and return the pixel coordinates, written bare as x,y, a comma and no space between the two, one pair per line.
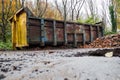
6,46
109,33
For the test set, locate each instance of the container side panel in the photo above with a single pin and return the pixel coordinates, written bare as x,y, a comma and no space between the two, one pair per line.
59,24
48,23
69,28
77,28
87,33
94,32
48,31
34,34
60,34
34,22
94,28
79,37
70,37
49,34
60,31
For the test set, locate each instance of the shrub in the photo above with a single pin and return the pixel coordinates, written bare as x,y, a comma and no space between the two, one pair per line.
109,33
6,46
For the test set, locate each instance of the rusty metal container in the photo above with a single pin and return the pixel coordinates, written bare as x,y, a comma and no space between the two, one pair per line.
44,32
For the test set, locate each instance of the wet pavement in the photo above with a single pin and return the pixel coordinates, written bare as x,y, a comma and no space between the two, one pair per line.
57,65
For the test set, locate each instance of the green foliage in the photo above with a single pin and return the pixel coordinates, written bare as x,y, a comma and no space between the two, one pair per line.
80,20
113,19
89,20
8,32
109,33
6,46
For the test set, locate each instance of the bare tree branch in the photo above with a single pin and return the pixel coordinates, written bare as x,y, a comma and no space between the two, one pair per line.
23,1
41,7
46,5
57,6
79,9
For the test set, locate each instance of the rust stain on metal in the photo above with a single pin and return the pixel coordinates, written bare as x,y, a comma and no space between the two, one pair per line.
49,33
60,34
70,37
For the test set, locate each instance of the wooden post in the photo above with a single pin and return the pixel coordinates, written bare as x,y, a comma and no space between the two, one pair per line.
84,36
91,35
102,31
98,31
42,33
103,28
65,34
54,34
75,40
28,29
14,35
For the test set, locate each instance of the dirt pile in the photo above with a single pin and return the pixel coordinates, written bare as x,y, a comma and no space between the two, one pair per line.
105,42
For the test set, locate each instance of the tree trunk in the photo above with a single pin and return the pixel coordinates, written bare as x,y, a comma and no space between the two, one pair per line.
3,23
23,3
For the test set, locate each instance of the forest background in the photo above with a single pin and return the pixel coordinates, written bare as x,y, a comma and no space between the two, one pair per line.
82,11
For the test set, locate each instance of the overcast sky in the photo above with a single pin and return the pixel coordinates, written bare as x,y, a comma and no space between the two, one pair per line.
98,3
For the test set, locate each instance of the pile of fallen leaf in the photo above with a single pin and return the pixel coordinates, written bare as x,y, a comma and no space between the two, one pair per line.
105,42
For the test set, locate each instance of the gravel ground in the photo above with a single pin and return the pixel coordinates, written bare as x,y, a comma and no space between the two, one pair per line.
57,65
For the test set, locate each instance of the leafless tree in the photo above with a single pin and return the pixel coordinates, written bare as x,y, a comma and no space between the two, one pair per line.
73,6
41,7
105,13
69,9
91,7
63,8
78,9
23,1
64,3
58,8
86,9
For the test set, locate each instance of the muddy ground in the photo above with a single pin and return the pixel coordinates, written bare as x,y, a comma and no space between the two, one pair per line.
68,64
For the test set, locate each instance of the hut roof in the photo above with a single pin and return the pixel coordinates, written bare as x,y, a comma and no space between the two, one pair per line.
26,9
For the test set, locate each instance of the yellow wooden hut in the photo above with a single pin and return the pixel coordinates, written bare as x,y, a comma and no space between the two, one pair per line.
19,27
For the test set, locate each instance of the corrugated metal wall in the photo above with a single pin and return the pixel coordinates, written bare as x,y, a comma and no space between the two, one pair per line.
45,31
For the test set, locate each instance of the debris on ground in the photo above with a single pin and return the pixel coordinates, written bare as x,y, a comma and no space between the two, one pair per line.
109,54
105,42
2,76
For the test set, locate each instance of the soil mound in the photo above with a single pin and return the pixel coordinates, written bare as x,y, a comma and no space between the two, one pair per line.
105,42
